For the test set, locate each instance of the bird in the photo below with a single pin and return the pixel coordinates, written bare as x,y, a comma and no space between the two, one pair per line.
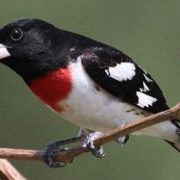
88,83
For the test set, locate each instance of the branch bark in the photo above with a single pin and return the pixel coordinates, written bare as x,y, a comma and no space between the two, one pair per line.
8,171
69,155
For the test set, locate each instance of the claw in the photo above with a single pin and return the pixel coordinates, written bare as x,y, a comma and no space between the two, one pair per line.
51,149
122,140
55,147
89,145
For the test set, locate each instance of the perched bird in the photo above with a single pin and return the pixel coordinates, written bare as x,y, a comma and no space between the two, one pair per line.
86,82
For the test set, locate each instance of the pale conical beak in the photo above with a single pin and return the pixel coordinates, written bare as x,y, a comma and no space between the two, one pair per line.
3,52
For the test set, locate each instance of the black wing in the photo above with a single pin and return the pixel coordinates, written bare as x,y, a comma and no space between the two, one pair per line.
120,76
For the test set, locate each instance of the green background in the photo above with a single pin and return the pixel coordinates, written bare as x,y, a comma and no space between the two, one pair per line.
149,32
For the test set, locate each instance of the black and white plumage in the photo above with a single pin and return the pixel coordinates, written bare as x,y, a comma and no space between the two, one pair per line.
120,76
87,82
115,91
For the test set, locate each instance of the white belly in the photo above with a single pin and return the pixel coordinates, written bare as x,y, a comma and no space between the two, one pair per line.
99,111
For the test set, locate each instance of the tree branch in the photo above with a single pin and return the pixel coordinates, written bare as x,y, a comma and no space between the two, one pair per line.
69,155
8,171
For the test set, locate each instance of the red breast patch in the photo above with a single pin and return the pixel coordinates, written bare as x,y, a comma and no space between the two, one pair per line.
53,87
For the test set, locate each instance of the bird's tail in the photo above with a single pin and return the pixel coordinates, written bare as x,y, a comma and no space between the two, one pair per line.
176,144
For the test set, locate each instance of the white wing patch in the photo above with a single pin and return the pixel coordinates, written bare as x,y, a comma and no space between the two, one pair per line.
147,79
145,88
122,72
145,100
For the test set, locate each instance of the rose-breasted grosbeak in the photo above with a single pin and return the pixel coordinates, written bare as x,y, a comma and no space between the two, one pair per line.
87,82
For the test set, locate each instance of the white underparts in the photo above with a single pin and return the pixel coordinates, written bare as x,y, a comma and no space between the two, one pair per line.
123,71
3,52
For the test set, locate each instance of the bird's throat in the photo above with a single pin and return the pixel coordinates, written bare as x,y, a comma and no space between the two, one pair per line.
53,87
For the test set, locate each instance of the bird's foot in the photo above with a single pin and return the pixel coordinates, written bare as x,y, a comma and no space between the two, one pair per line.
55,147
122,140
89,145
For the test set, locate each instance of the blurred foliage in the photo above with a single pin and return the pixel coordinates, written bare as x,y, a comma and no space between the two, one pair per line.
149,32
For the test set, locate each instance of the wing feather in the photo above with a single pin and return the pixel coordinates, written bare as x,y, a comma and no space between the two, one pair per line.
120,76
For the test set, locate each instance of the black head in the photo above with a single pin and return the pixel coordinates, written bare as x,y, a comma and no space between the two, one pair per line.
30,47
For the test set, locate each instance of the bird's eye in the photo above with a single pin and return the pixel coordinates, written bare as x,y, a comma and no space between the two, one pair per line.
16,34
